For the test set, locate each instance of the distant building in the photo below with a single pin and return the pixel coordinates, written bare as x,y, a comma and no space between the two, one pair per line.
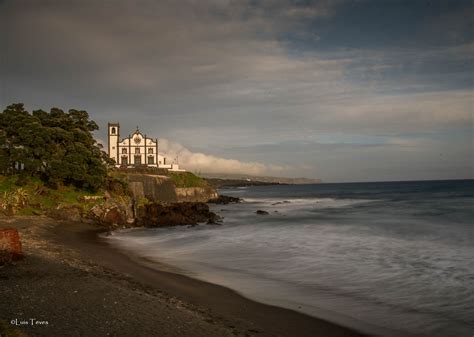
136,150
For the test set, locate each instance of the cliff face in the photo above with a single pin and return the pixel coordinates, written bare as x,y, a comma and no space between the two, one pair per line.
162,188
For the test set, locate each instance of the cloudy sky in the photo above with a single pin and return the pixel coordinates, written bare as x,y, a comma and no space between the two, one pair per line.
338,90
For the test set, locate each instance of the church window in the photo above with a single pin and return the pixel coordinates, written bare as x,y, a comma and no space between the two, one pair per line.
150,151
124,160
138,160
113,131
137,150
124,151
151,160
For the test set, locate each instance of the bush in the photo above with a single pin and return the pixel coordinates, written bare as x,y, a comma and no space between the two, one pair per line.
13,201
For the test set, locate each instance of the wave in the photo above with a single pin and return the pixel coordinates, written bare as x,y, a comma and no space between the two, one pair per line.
303,202
374,259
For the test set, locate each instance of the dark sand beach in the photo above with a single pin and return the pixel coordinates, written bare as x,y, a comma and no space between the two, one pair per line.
71,283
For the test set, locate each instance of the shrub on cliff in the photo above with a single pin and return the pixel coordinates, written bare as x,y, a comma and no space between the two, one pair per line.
56,146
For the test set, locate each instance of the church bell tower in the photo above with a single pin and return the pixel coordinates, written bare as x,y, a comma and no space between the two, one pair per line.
113,136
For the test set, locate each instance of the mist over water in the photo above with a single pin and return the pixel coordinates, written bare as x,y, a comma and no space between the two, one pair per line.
396,259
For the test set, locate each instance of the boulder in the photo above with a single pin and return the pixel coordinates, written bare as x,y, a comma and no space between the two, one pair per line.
111,214
114,216
260,212
10,246
224,200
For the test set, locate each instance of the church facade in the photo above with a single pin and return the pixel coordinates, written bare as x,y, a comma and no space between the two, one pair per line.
136,150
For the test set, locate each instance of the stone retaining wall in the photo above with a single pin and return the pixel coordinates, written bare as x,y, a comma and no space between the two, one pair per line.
161,188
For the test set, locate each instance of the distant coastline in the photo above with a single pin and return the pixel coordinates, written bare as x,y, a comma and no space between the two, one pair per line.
239,180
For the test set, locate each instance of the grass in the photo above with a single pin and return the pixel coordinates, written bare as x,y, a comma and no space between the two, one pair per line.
187,179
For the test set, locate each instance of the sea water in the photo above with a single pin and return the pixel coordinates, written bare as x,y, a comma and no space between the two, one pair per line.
392,259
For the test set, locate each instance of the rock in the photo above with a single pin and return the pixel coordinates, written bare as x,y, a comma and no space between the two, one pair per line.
281,202
111,213
224,200
214,222
10,246
260,212
175,214
114,216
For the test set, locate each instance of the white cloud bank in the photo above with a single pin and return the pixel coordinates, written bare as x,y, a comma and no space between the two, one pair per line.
205,163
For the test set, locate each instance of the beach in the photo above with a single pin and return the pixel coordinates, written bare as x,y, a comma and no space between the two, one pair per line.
362,255
72,283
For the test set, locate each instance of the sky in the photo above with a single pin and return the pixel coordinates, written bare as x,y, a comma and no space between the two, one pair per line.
337,90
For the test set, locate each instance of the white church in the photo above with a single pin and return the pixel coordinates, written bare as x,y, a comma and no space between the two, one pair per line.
136,150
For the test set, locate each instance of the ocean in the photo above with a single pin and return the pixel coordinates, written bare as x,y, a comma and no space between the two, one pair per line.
388,258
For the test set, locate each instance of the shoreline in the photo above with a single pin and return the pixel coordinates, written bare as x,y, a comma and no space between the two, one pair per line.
214,310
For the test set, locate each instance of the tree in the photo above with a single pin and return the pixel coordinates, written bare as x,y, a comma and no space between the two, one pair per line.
58,147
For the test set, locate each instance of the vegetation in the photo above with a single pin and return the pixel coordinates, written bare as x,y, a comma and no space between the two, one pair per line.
33,197
187,179
51,160
180,179
12,201
57,147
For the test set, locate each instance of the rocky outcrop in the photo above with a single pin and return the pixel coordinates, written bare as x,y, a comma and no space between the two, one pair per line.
224,200
170,206
125,213
177,214
260,212
113,213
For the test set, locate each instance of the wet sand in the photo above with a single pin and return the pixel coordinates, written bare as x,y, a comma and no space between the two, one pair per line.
82,286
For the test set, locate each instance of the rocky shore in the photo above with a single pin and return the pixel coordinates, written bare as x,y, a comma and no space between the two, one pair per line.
115,214
57,291
70,283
